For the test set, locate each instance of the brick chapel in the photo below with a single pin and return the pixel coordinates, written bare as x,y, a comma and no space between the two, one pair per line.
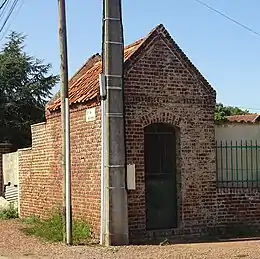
170,138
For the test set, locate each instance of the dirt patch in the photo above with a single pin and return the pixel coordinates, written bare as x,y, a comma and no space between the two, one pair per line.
15,244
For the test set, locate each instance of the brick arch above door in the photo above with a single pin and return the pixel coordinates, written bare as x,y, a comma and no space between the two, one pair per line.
160,117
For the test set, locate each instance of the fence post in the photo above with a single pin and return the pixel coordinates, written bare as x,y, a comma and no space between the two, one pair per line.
256,162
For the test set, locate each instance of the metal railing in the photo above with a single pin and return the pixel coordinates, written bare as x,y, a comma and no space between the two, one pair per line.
238,164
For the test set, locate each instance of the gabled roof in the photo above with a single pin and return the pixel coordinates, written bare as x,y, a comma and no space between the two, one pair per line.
247,118
161,33
84,85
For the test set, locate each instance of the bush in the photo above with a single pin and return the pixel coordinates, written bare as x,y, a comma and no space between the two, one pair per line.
9,213
51,229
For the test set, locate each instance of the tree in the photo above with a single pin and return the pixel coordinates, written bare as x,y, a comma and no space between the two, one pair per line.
221,112
25,87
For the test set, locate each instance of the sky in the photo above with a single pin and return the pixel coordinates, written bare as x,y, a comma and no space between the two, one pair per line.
227,55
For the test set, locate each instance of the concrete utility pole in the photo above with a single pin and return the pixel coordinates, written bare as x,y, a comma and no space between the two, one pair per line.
65,119
116,207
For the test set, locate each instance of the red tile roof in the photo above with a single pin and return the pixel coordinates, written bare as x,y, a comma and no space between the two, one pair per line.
247,118
84,85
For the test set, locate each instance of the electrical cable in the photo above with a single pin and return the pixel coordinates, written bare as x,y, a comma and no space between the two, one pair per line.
3,10
228,17
3,4
18,9
9,14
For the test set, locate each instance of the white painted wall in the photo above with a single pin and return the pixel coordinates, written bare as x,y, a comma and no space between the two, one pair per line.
10,168
11,178
238,131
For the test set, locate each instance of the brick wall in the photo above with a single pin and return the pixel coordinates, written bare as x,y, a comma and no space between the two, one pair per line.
40,168
4,149
159,88
238,207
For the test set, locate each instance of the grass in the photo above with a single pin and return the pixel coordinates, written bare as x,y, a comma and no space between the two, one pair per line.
9,213
51,230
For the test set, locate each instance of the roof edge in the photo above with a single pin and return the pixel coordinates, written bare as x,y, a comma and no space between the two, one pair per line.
244,118
145,41
161,31
179,52
88,64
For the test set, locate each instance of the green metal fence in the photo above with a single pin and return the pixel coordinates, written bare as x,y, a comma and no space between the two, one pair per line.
238,164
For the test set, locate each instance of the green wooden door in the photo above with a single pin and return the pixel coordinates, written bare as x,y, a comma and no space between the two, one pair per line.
160,177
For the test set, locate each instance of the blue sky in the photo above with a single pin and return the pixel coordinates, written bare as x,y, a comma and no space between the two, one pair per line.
226,54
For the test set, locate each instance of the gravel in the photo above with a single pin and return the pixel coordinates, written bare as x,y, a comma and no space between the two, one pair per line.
14,244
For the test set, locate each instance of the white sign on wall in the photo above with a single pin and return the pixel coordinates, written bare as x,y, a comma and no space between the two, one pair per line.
130,177
91,114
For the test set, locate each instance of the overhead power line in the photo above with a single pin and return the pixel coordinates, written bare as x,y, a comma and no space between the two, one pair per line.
3,4
3,10
228,17
10,11
9,14
8,26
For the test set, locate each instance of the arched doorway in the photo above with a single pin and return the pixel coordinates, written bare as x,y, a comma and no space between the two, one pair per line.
160,176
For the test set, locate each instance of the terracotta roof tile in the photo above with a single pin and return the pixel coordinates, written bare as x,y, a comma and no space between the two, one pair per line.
130,49
86,86
247,118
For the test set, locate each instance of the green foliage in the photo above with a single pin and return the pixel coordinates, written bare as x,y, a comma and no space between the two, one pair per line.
25,87
31,220
221,112
9,213
51,230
